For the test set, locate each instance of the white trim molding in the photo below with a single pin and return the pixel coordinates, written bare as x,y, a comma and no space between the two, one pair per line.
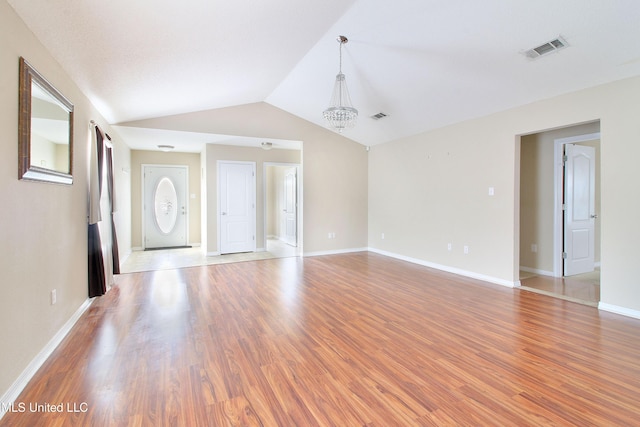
21,382
448,269
537,271
334,252
618,310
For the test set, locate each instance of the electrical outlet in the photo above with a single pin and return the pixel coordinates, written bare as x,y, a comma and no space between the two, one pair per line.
382,236
492,191
54,297
449,246
466,249
534,247
329,236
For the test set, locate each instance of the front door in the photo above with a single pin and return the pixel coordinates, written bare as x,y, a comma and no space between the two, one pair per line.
579,213
165,207
291,206
237,206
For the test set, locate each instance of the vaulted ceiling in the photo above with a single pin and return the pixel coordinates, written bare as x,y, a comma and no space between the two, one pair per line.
424,63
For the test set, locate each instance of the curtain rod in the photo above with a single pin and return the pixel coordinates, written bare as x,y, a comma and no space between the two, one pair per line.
93,122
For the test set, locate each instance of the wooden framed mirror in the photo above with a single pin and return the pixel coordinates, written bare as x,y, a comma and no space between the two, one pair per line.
45,130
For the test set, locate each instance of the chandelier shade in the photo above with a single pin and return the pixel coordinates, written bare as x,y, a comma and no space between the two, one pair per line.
341,114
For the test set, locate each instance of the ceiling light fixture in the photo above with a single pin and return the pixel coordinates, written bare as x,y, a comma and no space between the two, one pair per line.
166,148
267,145
341,113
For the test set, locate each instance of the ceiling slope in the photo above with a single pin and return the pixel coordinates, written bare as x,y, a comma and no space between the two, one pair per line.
423,63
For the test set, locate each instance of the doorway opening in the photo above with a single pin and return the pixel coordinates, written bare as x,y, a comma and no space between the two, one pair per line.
282,209
548,237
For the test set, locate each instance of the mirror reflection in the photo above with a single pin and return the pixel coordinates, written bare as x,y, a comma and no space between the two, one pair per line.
49,131
45,129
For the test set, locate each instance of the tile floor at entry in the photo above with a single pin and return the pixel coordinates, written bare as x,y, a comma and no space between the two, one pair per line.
581,288
167,259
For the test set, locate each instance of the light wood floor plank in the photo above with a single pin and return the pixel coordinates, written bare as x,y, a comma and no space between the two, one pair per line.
346,340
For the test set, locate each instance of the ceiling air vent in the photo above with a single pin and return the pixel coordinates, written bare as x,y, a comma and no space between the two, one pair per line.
378,116
546,48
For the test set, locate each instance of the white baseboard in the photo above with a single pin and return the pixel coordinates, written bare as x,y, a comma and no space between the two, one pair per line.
448,269
21,382
537,271
618,310
334,252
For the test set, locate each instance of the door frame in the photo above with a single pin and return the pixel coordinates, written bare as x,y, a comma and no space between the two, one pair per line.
218,201
143,166
558,189
299,197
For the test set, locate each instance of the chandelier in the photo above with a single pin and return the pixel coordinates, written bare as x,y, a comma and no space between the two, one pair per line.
341,113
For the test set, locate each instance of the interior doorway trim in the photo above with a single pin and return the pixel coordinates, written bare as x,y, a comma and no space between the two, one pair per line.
299,196
558,151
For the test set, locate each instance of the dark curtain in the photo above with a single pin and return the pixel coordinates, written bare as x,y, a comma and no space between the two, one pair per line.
97,284
97,280
114,239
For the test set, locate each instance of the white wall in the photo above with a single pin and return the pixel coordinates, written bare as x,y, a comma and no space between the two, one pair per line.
431,189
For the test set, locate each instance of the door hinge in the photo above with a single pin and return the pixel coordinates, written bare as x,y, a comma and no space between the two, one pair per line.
564,159
564,255
254,238
564,207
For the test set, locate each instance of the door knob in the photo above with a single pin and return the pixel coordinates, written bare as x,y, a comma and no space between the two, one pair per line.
594,216
224,213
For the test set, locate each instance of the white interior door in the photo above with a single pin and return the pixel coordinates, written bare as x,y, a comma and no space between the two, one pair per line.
237,202
579,214
290,208
165,208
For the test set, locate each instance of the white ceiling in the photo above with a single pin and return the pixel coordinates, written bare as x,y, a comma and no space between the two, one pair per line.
424,63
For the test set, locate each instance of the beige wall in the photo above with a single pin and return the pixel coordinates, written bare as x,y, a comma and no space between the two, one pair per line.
334,169
43,240
537,196
431,189
215,153
192,160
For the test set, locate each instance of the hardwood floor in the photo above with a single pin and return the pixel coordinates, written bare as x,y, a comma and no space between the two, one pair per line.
346,340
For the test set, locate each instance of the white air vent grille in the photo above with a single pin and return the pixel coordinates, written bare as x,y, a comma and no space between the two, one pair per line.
546,48
378,116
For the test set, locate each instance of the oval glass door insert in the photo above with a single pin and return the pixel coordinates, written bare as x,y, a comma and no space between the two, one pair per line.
165,201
